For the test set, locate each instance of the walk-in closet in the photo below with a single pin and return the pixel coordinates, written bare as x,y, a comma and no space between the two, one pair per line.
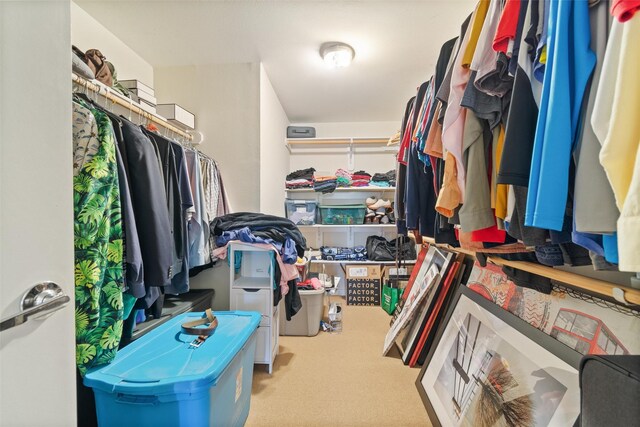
319,213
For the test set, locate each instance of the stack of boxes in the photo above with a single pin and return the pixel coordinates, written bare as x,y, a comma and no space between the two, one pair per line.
145,96
142,94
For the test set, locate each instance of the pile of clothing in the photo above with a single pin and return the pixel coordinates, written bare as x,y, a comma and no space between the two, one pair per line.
270,232
384,179
333,253
344,178
302,178
360,179
325,184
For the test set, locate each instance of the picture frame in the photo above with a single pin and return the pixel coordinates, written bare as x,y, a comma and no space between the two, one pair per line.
422,287
479,371
443,261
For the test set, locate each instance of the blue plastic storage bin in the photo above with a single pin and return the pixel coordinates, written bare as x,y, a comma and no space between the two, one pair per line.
160,381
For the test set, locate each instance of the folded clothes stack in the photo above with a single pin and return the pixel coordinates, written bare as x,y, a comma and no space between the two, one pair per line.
384,179
332,253
325,184
302,178
360,179
344,178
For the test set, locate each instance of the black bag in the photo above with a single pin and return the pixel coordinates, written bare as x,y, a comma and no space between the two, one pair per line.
381,249
609,390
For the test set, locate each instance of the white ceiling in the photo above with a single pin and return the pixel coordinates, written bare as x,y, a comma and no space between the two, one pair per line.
396,43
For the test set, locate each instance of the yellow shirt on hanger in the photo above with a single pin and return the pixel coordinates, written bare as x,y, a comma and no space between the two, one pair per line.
479,16
615,123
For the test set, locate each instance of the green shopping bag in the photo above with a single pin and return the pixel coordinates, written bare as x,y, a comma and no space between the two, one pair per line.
390,296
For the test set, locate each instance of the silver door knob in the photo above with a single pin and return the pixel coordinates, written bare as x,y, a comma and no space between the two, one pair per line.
39,301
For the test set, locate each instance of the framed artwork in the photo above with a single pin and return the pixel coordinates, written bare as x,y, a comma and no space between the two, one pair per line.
588,325
442,260
490,368
421,288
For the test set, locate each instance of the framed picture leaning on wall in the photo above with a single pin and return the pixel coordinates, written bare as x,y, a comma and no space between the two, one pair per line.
488,367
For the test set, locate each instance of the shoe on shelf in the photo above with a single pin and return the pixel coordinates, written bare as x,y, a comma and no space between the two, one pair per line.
376,219
384,220
381,211
370,213
371,200
380,204
368,219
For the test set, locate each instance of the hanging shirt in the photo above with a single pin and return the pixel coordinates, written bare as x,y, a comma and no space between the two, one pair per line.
98,254
476,27
594,204
149,199
624,10
507,26
85,137
615,123
568,70
453,126
198,224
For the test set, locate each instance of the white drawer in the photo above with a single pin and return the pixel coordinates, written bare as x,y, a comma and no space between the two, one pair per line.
263,346
253,300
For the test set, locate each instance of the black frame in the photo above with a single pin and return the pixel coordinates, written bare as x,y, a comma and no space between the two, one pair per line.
561,351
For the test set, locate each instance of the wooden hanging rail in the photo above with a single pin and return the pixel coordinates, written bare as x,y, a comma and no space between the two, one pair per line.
129,104
577,281
337,141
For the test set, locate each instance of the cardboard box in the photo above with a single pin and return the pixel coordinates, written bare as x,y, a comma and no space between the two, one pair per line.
177,115
146,106
363,284
141,94
137,85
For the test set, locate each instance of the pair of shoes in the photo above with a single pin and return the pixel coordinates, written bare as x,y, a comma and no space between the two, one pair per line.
380,204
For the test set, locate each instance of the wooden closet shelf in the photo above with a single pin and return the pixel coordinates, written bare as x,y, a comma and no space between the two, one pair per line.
574,280
337,141
127,103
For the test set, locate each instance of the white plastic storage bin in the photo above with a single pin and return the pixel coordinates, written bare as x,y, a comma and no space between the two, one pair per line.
307,321
301,212
160,380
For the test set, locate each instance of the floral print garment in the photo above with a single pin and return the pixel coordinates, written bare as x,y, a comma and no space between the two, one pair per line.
98,242
85,137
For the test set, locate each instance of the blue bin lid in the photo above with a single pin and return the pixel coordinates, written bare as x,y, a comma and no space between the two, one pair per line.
162,362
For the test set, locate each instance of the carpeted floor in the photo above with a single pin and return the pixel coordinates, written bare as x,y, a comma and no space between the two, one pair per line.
338,379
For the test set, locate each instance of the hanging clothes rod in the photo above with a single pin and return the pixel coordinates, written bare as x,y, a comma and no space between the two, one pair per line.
128,104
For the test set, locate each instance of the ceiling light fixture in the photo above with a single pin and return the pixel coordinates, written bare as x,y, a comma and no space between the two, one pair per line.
337,54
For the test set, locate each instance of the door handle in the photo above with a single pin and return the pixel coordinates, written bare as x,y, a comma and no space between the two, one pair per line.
42,299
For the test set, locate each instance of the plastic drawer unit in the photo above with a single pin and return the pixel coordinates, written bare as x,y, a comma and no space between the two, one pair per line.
160,380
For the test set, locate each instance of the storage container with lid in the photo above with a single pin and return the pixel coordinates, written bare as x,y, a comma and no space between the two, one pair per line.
162,380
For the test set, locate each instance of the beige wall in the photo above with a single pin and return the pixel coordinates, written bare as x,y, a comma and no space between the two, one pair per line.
226,101
87,33
274,156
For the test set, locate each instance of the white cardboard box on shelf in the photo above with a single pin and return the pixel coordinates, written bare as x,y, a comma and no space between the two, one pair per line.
141,94
146,106
177,115
137,85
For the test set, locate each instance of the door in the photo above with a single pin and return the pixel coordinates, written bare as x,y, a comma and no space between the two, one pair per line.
37,364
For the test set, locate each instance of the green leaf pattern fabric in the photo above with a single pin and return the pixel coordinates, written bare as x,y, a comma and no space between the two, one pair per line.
98,242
